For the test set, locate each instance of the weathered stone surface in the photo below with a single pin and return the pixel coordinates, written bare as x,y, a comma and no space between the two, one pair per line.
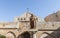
21,27
55,17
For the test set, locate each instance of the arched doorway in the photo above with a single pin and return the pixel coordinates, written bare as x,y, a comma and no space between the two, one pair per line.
10,35
47,35
24,35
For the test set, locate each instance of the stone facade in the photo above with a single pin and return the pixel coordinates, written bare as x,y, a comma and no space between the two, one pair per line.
30,26
55,17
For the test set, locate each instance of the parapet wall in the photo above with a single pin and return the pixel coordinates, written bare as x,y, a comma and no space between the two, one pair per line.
49,25
8,25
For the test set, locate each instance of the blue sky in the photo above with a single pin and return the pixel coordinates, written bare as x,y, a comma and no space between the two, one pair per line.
12,8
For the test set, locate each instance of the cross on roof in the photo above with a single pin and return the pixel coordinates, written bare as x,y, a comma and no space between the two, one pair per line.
27,10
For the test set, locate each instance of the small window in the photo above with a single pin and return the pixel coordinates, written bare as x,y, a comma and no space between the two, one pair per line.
36,18
21,19
3,24
24,18
18,19
56,15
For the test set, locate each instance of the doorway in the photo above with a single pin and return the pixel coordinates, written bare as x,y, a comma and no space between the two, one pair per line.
24,35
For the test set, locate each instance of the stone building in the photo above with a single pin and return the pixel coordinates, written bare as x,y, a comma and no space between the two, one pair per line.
30,26
55,17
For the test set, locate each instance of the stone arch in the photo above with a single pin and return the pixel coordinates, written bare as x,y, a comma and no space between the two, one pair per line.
47,35
24,35
10,34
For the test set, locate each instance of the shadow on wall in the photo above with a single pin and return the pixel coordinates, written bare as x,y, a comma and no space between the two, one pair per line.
54,34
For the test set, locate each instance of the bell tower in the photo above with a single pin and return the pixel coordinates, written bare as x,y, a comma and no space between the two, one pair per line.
32,19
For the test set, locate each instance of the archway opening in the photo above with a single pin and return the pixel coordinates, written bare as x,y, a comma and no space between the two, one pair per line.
24,35
47,35
10,35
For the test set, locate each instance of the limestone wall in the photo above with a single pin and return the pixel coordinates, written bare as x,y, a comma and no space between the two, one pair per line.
48,25
8,25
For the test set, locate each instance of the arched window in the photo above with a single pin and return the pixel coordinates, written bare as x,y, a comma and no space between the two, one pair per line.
24,18
21,18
